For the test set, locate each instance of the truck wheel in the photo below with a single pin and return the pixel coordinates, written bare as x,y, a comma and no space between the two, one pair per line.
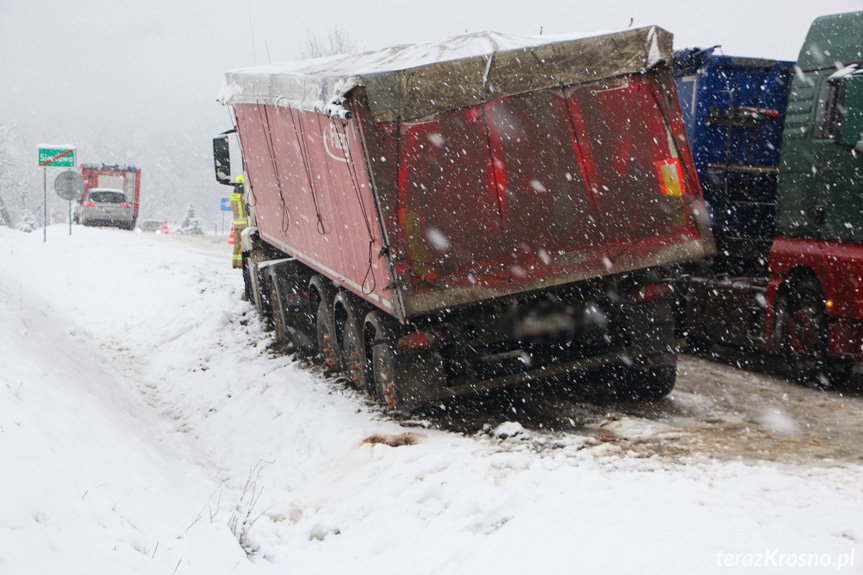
278,314
355,360
322,293
386,382
326,335
356,364
803,325
248,295
649,384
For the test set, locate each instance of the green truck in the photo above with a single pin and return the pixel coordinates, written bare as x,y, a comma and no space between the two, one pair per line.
807,304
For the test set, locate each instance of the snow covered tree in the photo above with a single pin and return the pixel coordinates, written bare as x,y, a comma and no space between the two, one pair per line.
190,224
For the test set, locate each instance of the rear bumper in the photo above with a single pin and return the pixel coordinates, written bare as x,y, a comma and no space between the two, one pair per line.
93,217
429,366
475,356
107,223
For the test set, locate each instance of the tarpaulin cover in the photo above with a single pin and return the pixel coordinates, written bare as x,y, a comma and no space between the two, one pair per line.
413,81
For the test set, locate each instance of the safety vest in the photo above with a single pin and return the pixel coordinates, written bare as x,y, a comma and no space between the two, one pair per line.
239,213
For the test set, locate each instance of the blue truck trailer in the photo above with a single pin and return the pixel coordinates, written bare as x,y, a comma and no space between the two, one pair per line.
734,113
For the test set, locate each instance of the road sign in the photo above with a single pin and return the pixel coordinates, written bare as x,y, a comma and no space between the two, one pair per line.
226,204
69,185
57,156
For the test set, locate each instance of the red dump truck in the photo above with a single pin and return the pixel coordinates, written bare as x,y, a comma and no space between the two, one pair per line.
441,219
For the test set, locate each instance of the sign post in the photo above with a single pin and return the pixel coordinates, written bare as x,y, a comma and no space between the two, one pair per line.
69,185
57,157
225,205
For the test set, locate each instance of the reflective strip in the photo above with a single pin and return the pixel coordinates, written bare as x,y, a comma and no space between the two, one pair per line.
238,257
240,223
238,199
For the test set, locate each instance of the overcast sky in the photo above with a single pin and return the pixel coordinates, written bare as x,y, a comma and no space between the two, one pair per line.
137,82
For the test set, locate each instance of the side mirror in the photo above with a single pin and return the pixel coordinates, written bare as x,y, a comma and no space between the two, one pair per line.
222,160
851,128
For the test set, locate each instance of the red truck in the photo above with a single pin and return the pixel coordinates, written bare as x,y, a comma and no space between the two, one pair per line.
437,220
127,179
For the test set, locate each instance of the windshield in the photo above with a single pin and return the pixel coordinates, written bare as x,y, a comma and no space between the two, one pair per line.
107,197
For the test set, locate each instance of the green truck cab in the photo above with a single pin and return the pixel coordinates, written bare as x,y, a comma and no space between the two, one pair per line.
820,172
816,263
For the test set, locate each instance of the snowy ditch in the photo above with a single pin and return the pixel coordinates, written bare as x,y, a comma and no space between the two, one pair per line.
148,426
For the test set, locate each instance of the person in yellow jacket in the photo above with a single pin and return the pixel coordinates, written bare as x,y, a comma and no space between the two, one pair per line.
238,206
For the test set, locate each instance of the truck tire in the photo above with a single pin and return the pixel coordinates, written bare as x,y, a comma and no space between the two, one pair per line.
647,384
381,332
386,378
248,294
279,330
326,336
802,328
349,330
357,365
325,331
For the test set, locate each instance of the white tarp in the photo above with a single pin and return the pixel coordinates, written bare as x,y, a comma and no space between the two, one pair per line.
416,80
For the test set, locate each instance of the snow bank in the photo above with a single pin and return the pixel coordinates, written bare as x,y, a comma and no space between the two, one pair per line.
144,416
89,482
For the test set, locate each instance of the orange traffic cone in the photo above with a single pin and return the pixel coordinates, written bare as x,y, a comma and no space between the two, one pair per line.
231,237
165,227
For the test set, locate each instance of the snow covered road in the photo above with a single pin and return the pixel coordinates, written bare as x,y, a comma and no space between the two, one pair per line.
148,427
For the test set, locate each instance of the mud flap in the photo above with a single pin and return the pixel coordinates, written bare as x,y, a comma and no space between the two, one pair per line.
421,377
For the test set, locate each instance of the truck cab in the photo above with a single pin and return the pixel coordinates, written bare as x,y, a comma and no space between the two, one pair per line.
816,262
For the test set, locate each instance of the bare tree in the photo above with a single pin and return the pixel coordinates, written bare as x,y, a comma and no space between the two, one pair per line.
336,42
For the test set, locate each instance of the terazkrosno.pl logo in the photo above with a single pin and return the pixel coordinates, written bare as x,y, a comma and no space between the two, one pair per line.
777,558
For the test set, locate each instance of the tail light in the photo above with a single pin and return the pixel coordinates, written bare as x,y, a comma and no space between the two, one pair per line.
90,204
419,340
650,292
124,205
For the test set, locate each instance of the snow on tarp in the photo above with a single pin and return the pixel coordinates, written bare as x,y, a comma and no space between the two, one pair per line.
412,81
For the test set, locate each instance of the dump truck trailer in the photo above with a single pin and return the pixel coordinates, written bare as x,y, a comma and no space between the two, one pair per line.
783,178
734,112
447,218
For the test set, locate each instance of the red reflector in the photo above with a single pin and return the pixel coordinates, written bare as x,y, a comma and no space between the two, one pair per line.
650,292
759,113
90,204
419,340
124,205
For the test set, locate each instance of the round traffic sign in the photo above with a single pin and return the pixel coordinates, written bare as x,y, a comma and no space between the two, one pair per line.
69,185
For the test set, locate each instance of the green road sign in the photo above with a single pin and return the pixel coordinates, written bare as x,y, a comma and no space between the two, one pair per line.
57,157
